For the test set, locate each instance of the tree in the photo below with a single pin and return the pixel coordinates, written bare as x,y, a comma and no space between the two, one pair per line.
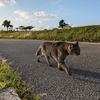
26,28
21,28
6,23
62,24
29,27
11,27
17,28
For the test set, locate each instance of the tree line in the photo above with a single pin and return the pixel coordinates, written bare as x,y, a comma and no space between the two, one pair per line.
8,25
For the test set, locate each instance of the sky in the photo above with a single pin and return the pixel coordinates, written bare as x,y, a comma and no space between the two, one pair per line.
46,14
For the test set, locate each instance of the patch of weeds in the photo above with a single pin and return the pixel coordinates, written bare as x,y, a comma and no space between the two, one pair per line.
10,78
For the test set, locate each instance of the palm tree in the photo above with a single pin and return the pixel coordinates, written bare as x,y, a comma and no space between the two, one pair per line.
6,23
61,23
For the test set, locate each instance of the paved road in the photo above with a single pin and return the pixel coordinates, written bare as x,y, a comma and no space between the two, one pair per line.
84,84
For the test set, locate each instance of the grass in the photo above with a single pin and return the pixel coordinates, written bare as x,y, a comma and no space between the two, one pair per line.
10,78
82,34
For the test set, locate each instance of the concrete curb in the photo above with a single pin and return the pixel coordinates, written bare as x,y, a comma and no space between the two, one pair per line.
9,94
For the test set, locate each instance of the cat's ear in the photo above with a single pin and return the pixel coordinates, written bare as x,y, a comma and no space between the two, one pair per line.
77,43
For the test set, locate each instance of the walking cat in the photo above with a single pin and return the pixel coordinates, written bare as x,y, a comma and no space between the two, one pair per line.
58,51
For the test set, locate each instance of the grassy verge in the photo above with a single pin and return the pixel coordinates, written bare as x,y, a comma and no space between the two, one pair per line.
10,78
82,34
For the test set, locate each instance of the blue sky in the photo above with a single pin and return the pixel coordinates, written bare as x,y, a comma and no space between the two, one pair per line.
46,14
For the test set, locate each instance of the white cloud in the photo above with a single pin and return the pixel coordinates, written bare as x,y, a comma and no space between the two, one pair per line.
11,2
41,27
23,16
2,4
48,27
38,17
56,2
43,14
38,27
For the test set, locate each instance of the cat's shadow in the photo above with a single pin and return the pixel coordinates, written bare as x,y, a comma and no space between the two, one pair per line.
85,73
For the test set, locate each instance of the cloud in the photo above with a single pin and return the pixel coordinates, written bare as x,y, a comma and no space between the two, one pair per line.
23,16
56,2
41,27
43,16
38,17
11,2
2,4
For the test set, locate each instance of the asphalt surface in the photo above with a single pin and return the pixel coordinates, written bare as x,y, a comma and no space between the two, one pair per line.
51,83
